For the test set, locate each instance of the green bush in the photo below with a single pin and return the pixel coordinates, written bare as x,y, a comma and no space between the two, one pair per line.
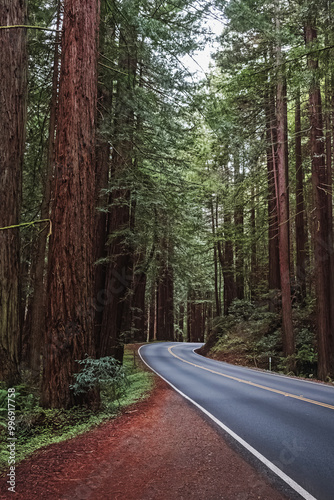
306,355
105,374
37,427
241,309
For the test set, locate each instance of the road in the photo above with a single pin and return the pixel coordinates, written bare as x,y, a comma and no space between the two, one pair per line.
286,423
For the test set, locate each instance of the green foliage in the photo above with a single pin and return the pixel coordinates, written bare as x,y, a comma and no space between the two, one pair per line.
252,335
37,427
241,309
106,374
306,355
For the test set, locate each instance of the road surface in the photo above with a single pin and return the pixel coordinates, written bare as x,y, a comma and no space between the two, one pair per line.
286,423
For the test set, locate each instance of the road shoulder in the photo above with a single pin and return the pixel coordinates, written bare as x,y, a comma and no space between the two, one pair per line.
160,448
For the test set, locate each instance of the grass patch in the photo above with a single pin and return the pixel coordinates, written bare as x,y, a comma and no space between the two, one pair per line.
37,427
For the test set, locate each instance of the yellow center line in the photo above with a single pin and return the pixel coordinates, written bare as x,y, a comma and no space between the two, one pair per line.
286,394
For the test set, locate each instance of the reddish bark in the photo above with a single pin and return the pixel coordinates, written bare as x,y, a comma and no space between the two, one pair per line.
12,136
320,227
253,275
116,323
283,213
196,319
138,307
300,226
271,135
215,262
239,231
165,296
35,321
100,229
181,321
69,329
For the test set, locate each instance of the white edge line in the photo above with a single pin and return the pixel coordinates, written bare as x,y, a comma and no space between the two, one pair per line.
288,480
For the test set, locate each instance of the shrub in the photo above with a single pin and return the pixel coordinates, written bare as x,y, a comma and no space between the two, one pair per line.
105,374
241,309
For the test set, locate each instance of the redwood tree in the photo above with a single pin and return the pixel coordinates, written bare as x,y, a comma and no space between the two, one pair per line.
322,251
271,135
69,329
119,273
35,318
283,206
300,226
12,135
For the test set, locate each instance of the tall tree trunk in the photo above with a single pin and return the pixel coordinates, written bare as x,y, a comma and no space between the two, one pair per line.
152,313
189,302
161,304
215,262
300,226
271,135
253,273
239,232
138,305
286,162
37,313
320,228
70,317
119,275
102,170
165,294
227,264
170,301
283,209
101,295
181,321
329,154
12,139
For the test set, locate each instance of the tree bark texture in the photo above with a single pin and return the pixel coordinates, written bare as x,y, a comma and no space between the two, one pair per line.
239,232
215,262
37,307
119,275
165,296
253,273
196,319
320,227
271,135
300,206
283,211
13,77
70,315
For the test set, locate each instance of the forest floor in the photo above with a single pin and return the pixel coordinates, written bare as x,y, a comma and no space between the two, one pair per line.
160,448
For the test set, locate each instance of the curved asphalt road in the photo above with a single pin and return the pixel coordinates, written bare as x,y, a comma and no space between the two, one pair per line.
286,423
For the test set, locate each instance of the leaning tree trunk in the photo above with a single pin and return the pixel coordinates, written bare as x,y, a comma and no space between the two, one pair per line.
70,315
320,229
12,138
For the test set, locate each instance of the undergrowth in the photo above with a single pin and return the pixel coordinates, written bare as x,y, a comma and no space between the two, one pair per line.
37,427
252,336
